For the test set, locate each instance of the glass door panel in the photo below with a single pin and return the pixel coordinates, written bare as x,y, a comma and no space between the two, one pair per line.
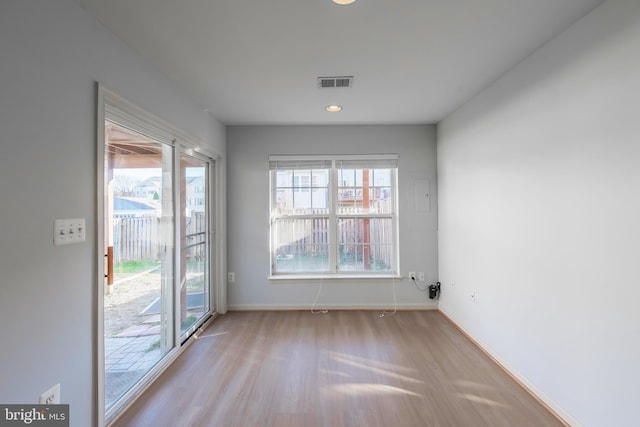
194,249
139,240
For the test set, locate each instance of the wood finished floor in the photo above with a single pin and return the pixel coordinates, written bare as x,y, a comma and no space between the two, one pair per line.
343,368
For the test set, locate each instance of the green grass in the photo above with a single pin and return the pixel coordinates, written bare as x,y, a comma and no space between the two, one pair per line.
140,266
154,345
309,263
129,267
303,263
188,322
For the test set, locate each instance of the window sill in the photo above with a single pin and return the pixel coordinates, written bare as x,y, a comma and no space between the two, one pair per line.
285,277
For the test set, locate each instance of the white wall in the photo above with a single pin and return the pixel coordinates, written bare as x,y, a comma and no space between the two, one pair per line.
52,54
539,191
248,148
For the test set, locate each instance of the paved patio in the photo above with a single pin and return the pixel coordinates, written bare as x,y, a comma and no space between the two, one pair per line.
130,355
132,330
127,360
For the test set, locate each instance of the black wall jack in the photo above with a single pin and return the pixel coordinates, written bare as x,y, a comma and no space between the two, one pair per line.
434,291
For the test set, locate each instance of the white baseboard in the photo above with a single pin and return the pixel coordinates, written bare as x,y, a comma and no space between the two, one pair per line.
283,307
518,377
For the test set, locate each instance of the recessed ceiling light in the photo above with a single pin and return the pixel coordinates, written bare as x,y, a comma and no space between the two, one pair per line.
333,108
343,2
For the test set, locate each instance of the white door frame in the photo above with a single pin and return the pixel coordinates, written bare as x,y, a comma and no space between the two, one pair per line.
112,105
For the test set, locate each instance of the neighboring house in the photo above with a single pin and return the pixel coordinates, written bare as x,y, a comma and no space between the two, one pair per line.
195,194
150,188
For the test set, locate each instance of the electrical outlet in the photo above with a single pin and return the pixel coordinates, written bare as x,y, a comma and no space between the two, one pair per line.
51,396
412,275
67,231
421,276
231,277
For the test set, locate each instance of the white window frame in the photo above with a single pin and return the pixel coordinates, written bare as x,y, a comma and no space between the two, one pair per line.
333,216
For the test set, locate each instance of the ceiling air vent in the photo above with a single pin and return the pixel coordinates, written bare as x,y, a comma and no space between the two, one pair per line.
329,82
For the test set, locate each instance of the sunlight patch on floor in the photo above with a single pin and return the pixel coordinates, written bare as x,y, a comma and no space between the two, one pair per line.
482,400
368,390
372,362
473,385
199,337
336,373
346,360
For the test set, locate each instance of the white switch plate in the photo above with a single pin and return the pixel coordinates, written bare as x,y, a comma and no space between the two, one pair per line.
67,231
421,277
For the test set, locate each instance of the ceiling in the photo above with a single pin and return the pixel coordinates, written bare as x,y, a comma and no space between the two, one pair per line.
257,61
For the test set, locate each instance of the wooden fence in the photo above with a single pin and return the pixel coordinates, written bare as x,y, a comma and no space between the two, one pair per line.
137,238
362,241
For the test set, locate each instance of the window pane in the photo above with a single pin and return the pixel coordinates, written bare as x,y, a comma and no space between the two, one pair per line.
302,180
301,245
380,200
370,193
348,200
284,178
360,177
320,201
346,178
365,244
320,178
301,201
302,192
284,201
381,177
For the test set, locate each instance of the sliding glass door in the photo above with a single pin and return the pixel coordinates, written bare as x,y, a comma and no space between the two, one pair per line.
195,296
155,233
139,247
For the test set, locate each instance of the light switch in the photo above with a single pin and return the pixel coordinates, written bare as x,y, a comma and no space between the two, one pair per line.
67,231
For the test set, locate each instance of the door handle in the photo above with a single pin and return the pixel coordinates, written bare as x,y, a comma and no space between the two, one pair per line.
109,274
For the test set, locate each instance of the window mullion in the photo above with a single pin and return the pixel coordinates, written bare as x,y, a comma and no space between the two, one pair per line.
333,225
